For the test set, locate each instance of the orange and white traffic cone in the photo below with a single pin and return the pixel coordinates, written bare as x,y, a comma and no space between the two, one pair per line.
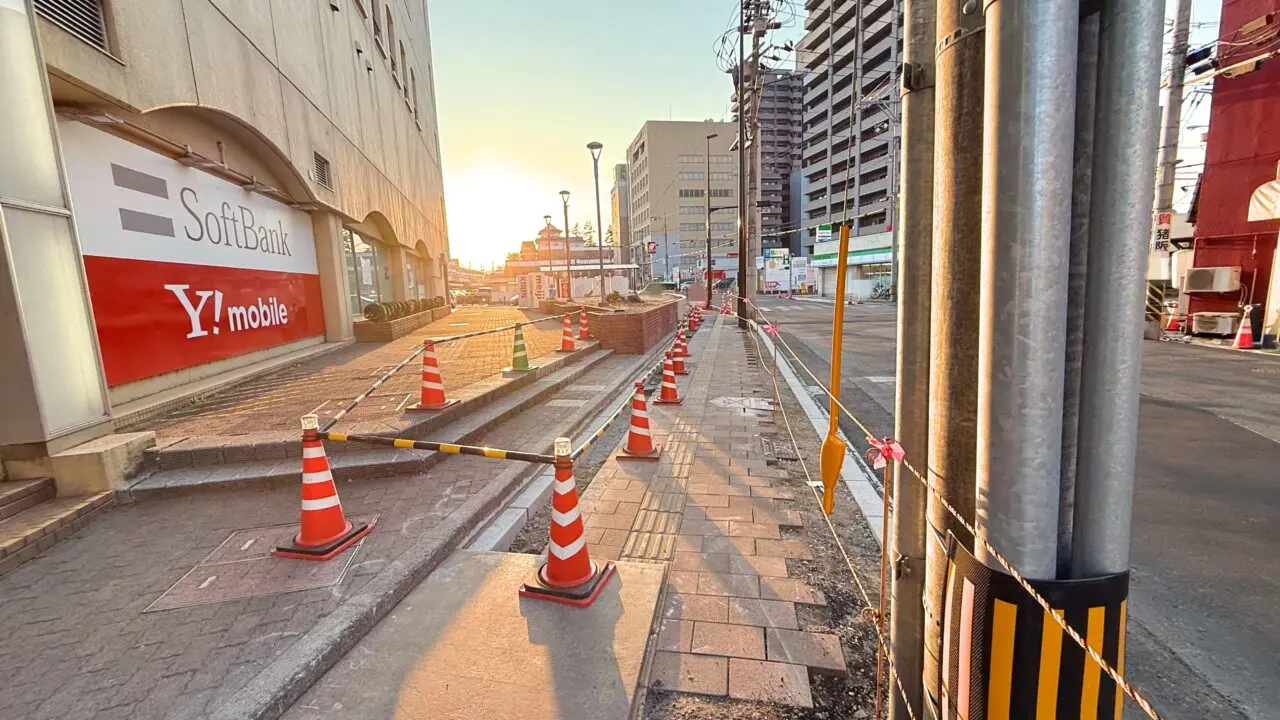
677,362
324,530
1244,336
669,395
682,345
1175,324
433,397
584,332
569,576
639,439
566,335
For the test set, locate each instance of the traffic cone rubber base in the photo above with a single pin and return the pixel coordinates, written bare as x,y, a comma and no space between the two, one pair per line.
419,407
677,401
509,372
289,547
625,454
578,596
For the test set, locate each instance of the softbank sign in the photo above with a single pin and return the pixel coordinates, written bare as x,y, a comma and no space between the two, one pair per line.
184,268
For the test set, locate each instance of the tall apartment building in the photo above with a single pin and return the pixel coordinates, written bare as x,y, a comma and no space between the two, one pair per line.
780,136
620,214
667,163
199,186
850,56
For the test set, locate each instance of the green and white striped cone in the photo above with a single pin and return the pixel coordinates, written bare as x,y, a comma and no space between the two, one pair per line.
519,356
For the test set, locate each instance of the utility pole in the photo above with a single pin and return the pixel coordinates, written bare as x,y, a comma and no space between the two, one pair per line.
568,254
742,163
708,199
1171,123
666,248
911,411
954,302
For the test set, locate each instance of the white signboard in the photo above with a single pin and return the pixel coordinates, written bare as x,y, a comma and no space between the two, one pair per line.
824,233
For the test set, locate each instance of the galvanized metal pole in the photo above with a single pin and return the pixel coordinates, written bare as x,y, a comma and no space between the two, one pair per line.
953,310
742,165
1026,203
1082,170
1171,122
1124,156
911,410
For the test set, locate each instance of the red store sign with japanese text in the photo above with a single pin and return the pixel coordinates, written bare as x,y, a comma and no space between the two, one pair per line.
184,268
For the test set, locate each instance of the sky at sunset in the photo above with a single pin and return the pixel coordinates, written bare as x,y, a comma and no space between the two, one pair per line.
523,86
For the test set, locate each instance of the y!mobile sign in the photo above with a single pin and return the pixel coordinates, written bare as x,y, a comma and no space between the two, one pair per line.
184,268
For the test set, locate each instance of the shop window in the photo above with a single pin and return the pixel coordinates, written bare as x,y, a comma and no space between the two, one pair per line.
83,18
368,271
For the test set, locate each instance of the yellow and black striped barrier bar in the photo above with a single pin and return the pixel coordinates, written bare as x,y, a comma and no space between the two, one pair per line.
1004,658
599,433
450,448
1155,300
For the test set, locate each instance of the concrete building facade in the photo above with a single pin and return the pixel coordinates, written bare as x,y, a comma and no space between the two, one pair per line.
780,115
194,187
620,215
850,55
667,165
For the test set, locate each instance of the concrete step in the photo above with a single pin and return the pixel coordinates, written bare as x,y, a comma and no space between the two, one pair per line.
213,451
18,495
351,461
33,530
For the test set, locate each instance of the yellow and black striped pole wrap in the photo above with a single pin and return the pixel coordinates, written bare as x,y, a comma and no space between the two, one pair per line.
1004,658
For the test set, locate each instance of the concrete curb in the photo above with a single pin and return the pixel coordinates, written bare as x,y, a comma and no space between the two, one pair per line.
287,678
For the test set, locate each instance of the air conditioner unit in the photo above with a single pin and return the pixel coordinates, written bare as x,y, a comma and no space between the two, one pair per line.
1214,323
1211,279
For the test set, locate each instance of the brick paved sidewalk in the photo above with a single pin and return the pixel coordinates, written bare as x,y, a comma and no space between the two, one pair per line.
328,382
714,508
76,642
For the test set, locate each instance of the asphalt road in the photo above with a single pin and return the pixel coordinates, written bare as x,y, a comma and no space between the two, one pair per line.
1204,630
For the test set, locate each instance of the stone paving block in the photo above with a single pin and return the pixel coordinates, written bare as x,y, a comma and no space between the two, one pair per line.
614,537
689,543
816,651
783,548
649,546
742,641
726,489
765,613
708,501
653,521
729,513
702,562
728,584
754,530
606,552
684,581
683,672
769,682
663,501
621,496
782,518
704,527
769,492
790,590
611,521
728,545
696,607
675,636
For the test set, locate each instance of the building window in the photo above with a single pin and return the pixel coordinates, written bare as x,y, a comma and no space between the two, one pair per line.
723,226
692,210
726,192
413,83
83,18
686,192
690,227
360,8
323,172
722,176
404,67
691,176
689,158
377,21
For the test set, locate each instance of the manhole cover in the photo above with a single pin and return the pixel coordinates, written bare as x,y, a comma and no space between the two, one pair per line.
778,449
1267,370
743,402
243,566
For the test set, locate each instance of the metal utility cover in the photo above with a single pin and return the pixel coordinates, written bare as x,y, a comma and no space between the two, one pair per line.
748,403
778,449
243,566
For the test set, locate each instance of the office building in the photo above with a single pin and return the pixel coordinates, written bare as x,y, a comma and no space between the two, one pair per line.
620,214
780,138
200,187
668,164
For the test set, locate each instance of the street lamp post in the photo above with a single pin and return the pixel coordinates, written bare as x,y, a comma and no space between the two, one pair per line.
708,198
568,256
595,149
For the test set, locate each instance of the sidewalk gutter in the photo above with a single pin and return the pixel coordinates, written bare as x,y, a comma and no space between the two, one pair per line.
273,690
857,477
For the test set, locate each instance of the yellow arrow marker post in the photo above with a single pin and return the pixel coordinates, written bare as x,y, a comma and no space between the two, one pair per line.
833,448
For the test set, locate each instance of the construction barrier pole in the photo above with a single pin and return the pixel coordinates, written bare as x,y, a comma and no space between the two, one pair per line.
833,448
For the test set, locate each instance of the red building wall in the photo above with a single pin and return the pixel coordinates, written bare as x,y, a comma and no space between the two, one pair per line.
1241,153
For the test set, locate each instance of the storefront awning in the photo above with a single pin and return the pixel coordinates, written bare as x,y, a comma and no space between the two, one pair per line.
1265,202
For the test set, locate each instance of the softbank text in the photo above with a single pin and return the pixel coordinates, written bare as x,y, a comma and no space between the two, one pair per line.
232,226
